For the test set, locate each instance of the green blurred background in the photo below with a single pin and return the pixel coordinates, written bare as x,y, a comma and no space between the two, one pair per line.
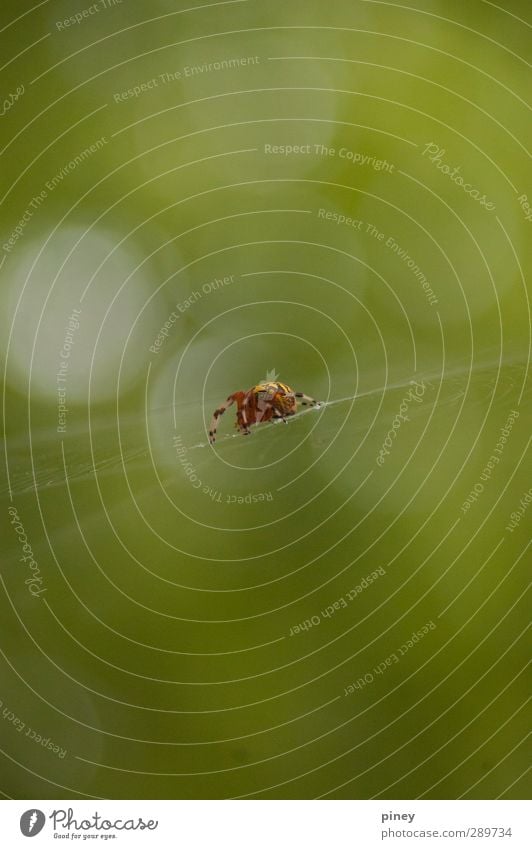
173,170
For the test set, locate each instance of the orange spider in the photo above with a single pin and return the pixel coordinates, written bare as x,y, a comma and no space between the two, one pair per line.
261,403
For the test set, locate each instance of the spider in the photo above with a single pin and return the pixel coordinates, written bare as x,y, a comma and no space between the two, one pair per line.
263,402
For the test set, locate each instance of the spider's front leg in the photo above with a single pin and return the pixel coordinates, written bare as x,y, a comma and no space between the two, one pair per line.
244,414
219,412
306,400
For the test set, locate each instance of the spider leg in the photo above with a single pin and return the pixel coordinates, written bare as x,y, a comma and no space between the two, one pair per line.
244,408
306,400
263,406
276,416
219,412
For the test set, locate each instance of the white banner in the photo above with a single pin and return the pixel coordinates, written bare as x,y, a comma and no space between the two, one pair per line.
265,824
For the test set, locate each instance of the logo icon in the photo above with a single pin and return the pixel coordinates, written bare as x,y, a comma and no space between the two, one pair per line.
271,376
32,822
